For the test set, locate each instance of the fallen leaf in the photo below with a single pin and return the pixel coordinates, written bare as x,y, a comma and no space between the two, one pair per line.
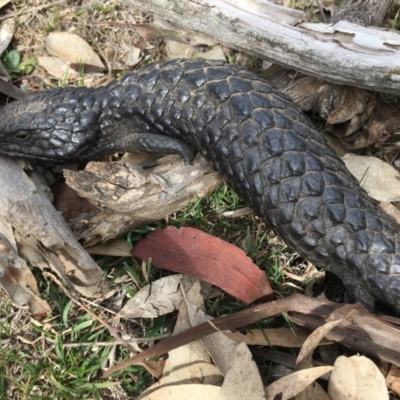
56,67
197,391
378,178
242,378
357,378
161,297
304,359
291,385
215,53
177,49
72,48
190,251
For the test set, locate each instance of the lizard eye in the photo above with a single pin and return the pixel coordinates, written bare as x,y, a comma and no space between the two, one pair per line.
22,135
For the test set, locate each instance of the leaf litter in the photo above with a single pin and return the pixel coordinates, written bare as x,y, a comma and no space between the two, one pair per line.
226,365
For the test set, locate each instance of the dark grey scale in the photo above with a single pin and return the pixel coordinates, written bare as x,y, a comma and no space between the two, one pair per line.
292,142
242,73
222,116
382,244
220,72
356,220
335,213
293,164
252,161
273,142
362,241
147,80
284,214
259,100
87,99
237,84
272,172
311,184
289,190
265,121
248,135
240,107
207,113
218,91
314,163
296,230
308,210
171,77
195,79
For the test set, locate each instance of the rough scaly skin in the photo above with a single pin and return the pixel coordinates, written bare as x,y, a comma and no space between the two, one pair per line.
262,144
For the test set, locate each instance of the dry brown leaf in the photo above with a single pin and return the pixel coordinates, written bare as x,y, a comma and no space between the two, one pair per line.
304,359
161,297
72,48
56,67
190,363
242,378
282,337
197,391
177,49
291,385
357,378
379,179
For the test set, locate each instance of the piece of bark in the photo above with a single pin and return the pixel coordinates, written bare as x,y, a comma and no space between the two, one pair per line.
362,12
342,53
31,227
128,196
358,117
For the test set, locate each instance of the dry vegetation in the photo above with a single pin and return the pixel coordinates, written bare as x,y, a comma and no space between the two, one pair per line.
60,357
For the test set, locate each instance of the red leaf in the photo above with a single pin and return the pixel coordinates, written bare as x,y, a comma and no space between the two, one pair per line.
193,252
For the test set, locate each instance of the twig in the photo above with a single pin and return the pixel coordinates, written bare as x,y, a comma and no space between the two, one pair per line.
31,10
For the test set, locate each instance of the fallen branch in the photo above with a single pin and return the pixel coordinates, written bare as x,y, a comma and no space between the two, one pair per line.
359,329
343,53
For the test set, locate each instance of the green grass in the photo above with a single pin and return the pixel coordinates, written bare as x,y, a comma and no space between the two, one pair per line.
60,359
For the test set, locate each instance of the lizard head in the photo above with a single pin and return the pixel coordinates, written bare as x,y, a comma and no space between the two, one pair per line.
54,126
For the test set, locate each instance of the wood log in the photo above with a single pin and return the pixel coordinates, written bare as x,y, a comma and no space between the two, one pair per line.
342,53
31,229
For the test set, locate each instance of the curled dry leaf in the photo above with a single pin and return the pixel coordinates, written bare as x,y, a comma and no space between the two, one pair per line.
73,49
161,297
190,251
379,179
357,378
291,385
304,359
